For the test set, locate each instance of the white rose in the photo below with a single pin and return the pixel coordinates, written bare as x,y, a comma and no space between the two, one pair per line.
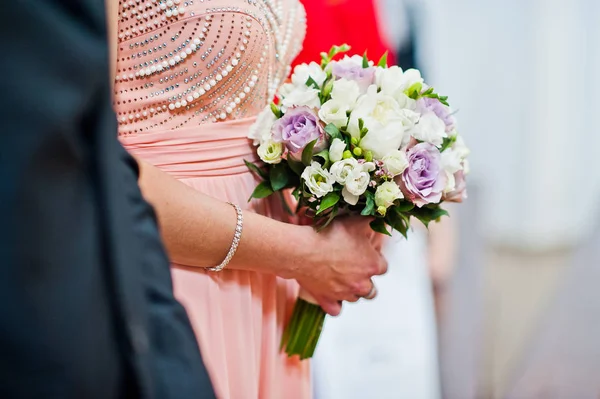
303,71
386,122
405,101
345,92
270,152
450,182
387,193
430,129
301,95
336,150
260,131
395,162
460,147
318,180
394,82
340,170
356,184
334,112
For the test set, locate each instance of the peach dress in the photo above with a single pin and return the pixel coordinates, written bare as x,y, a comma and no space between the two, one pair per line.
191,77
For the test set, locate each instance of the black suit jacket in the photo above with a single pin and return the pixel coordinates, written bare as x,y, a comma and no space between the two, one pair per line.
86,301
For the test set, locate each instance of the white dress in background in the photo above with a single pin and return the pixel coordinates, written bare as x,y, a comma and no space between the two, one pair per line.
385,348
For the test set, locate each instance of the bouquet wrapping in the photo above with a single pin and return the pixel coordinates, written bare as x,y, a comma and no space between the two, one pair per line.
349,136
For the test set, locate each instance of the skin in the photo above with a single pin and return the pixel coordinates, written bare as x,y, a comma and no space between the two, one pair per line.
332,266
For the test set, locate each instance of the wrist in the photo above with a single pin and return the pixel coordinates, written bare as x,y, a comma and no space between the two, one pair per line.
301,247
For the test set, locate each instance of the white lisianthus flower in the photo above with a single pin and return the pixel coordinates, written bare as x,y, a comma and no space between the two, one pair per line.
260,131
430,129
318,180
270,152
395,162
454,160
341,170
336,150
345,92
303,71
356,185
334,111
387,193
300,96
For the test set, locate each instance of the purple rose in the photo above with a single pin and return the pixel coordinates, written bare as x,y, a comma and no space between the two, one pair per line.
298,127
440,110
350,70
459,194
424,180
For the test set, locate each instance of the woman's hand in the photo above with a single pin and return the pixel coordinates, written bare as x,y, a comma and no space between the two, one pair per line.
341,264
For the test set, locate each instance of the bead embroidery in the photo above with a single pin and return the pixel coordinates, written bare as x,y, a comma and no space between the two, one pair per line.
204,64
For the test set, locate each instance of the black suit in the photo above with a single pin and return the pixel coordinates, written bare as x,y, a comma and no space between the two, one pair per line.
86,302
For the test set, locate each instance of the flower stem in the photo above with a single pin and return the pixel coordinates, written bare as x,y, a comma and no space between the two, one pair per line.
302,333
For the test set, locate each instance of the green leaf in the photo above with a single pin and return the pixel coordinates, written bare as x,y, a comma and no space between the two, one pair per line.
295,166
330,218
279,176
276,111
286,206
253,168
307,154
328,201
379,226
398,221
361,124
333,131
448,142
383,60
369,209
405,206
325,156
365,61
414,91
428,214
263,190
363,132
296,193
310,82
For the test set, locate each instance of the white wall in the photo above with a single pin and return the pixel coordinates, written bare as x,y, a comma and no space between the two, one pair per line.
524,75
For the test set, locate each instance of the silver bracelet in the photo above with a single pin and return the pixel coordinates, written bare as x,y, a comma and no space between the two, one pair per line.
235,243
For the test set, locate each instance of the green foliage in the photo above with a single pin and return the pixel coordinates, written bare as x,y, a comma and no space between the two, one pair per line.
276,111
333,131
263,190
307,154
324,155
379,226
383,60
280,176
328,202
369,209
310,82
428,214
256,170
365,61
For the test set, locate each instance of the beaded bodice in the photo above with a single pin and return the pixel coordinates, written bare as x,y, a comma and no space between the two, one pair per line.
182,63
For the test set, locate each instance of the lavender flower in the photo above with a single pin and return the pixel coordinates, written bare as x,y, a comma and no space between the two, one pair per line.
424,180
298,127
351,70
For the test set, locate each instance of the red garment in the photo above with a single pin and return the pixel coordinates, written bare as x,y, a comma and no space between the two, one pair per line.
335,22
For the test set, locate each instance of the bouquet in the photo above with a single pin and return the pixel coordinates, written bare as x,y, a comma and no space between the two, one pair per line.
351,137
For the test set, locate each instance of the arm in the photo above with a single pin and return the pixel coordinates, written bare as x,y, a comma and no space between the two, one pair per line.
198,229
